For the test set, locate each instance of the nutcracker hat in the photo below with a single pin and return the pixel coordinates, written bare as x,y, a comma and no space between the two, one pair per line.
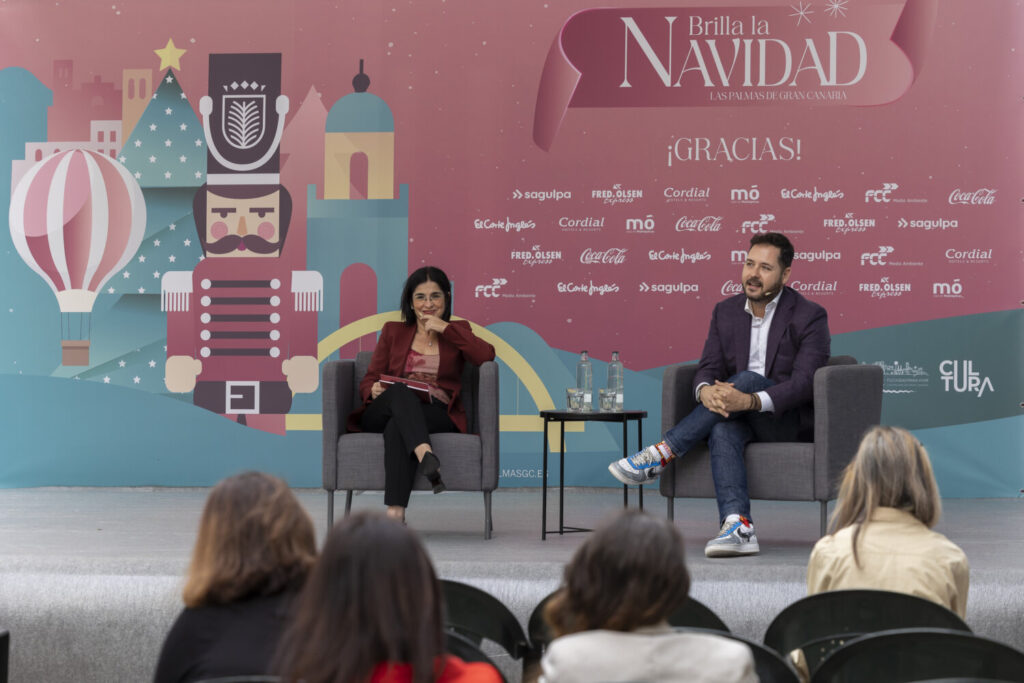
243,119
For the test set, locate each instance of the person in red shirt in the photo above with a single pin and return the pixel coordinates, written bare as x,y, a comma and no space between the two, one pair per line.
371,612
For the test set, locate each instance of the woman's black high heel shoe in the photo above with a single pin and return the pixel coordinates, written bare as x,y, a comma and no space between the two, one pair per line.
431,467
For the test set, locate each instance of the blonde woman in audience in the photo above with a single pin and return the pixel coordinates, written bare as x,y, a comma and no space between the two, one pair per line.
254,549
881,528
610,615
371,612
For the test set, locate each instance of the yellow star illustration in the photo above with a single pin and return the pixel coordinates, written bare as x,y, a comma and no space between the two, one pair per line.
170,56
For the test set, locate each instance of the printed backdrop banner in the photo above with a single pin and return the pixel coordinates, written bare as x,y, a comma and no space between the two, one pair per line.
589,177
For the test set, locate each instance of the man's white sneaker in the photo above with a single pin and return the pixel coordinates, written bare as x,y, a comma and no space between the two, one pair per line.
639,468
735,538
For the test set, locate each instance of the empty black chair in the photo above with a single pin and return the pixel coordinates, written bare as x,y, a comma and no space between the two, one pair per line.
466,650
907,655
5,648
476,614
695,614
822,622
770,666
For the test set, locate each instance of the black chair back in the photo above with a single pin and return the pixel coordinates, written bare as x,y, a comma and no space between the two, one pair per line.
908,655
768,664
467,650
477,614
5,649
695,614
823,622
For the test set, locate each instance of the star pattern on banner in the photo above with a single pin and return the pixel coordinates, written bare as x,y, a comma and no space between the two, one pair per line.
166,148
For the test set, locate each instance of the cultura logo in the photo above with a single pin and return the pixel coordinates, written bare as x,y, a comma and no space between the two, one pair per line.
960,376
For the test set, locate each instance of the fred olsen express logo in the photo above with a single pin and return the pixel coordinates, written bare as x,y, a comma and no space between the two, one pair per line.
588,288
745,195
848,223
884,288
960,376
757,226
887,194
813,195
617,195
969,255
536,256
983,196
542,195
506,225
686,194
703,224
493,291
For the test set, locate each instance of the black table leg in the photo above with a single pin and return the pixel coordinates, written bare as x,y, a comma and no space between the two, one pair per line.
561,477
639,445
625,454
544,488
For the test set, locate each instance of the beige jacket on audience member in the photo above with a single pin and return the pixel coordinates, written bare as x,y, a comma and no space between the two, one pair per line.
653,654
897,553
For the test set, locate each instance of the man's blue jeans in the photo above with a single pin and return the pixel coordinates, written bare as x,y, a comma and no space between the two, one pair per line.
728,437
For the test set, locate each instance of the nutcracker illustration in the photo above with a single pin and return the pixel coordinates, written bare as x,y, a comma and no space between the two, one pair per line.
241,326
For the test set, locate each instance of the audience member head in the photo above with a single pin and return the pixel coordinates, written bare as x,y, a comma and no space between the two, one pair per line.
417,278
630,573
254,539
891,469
372,597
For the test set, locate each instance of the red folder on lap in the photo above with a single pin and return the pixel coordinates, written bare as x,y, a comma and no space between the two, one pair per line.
422,387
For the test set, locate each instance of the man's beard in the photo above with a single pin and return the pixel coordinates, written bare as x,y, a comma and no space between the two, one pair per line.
766,294
253,243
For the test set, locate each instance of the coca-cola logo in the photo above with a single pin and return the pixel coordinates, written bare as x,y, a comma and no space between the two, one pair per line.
983,196
613,255
705,224
731,287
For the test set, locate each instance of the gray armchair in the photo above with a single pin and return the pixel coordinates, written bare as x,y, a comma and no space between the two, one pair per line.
847,400
355,462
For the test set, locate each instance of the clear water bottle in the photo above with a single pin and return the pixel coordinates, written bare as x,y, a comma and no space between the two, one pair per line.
585,380
616,380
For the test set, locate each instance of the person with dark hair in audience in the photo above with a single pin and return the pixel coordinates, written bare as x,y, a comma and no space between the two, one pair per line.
881,528
429,348
610,614
371,612
254,549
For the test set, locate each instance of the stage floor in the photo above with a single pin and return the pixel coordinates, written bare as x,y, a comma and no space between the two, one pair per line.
90,579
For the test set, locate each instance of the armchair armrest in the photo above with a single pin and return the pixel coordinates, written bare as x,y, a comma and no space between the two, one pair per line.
847,401
337,391
487,416
677,394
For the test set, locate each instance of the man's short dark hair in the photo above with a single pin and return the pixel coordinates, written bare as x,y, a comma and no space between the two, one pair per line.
776,239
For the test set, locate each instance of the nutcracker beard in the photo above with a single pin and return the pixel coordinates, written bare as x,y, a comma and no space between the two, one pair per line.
253,243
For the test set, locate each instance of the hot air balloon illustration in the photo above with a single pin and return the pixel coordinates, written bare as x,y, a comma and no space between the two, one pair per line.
76,218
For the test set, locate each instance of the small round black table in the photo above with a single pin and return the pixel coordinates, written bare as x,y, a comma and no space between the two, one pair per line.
561,417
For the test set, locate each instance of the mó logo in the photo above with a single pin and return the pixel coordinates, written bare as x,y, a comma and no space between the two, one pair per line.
881,196
984,196
738,256
613,255
490,291
758,226
960,376
705,224
948,290
669,288
640,225
876,258
745,195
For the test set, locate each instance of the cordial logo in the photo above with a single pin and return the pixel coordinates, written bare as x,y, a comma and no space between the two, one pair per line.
585,224
884,289
536,256
876,258
588,288
678,255
983,196
948,290
960,376
969,255
507,225
613,255
541,195
817,288
929,224
814,194
848,223
705,224
758,226
731,287
617,195
687,194
669,288
641,226
745,195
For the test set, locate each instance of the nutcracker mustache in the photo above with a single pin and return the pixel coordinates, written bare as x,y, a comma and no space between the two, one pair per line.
253,243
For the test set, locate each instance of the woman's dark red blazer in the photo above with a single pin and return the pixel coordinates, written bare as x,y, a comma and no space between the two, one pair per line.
457,345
